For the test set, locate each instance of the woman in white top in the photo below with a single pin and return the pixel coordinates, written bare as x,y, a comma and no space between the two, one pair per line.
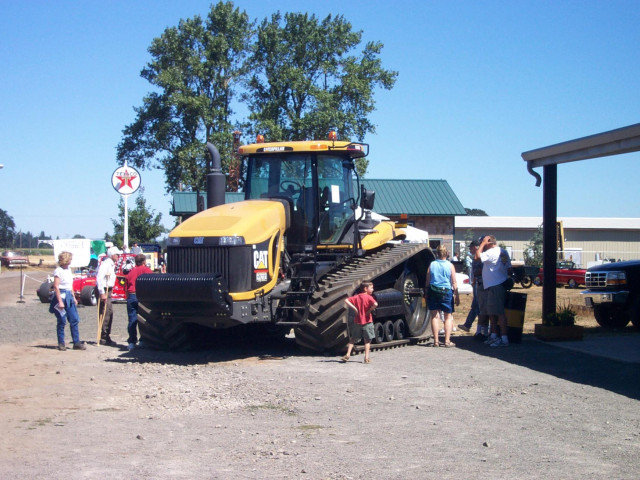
63,303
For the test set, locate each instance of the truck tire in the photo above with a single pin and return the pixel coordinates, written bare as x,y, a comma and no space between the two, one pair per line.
43,292
634,313
88,296
609,317
161,334
526,282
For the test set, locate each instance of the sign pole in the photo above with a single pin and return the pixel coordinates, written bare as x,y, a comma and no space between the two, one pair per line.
125,236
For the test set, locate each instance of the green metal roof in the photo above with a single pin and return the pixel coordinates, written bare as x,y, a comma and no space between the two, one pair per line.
393,197
414,197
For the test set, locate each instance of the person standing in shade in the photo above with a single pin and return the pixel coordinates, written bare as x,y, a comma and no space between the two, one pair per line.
63,304
105,280
132,299
442,290
362,325
474,267
495,271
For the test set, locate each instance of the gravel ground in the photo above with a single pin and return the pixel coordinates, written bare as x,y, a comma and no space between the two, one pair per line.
532,411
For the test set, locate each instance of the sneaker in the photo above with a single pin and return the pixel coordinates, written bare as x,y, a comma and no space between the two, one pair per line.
500,343
140,344
441,332
79,346
491,340
62,347
131,346
480,337
454,329
464,328
108,342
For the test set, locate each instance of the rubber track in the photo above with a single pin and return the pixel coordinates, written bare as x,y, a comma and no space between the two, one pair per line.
162,334
394,344
326,325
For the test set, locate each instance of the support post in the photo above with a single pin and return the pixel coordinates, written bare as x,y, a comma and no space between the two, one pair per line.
549,218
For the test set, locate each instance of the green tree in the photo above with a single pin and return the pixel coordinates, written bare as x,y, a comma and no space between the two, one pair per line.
144,225
476,212
464,248
7,229
194,70
306,80
533,250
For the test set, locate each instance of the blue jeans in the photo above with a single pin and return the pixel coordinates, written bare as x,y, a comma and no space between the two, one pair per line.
132,312
474,312
71,315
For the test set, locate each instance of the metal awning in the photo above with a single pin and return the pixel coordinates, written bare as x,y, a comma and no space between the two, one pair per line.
613,142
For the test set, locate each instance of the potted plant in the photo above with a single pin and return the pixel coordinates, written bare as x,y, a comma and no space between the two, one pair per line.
560,325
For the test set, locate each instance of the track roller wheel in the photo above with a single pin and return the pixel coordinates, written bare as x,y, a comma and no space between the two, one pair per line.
399,329
388,330
378,329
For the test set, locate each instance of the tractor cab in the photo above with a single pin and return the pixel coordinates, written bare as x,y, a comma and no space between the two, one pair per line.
316,181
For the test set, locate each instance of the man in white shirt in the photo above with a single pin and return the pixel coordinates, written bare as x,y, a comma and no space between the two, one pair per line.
105,280
495,271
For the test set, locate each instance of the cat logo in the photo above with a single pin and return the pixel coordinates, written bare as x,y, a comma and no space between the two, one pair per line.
260,259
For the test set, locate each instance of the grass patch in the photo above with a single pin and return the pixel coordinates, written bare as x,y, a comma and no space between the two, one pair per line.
39,423
307,428
270,406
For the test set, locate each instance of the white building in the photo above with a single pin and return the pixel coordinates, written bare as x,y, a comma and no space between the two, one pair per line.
586,240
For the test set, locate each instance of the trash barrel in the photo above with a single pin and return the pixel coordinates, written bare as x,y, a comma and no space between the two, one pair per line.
514,309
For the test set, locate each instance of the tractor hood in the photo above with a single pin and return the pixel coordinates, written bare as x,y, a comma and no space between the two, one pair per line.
253,220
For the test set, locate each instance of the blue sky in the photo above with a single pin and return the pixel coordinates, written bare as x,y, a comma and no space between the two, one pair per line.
479,83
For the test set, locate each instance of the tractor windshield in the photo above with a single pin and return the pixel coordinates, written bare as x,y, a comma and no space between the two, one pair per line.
318,189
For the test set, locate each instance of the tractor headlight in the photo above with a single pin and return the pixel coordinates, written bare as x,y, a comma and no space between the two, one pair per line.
234,240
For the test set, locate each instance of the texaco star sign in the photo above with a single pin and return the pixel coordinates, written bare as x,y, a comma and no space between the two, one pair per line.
125,180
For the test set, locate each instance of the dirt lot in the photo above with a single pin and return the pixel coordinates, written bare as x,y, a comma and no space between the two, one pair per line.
249,411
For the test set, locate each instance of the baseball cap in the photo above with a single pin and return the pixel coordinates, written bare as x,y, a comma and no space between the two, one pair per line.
114,251
474,243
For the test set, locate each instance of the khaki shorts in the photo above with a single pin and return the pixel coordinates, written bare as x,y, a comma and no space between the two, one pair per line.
496,298
356,331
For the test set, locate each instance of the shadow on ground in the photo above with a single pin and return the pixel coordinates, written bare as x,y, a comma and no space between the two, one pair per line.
235,351
622,377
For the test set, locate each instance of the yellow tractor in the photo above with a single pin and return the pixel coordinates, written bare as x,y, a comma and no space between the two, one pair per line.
287,256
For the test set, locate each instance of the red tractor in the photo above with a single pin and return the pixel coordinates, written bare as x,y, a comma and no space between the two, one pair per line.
84,283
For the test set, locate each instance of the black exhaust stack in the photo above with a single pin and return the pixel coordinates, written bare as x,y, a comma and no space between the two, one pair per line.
216,181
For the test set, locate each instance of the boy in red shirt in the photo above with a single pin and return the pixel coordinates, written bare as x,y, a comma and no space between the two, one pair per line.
362,326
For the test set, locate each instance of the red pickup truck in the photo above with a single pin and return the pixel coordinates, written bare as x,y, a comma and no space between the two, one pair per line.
566,274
